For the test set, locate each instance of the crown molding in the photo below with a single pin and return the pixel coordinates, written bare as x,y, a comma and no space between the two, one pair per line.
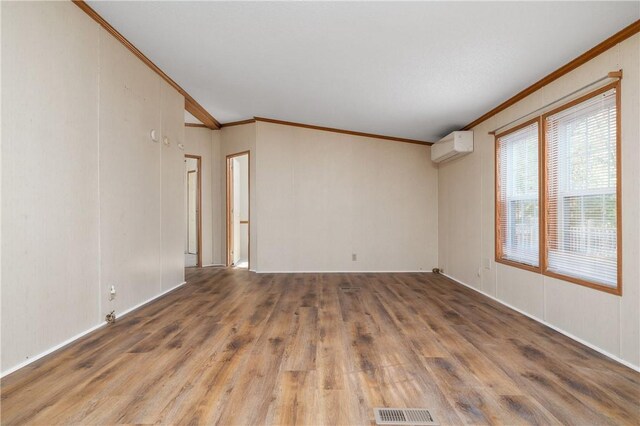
607,44
190,104
193,107
346,132
237,123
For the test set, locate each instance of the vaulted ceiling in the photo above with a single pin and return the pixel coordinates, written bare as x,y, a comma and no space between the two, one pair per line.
413,70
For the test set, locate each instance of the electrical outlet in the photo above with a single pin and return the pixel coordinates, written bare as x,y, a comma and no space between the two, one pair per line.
354,257
112,292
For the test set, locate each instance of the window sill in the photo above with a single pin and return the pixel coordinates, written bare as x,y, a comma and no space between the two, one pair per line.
524,266
617,291
601,287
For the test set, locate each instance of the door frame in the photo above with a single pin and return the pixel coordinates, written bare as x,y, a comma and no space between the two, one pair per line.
189,173
198,206
229,203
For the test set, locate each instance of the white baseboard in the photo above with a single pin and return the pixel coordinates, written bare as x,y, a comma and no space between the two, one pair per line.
551,326
339,272
139,305
82,334
50,350
212,264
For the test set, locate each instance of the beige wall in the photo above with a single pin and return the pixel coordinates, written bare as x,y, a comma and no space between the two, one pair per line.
466,211
323,196
50,179
233,140
172,187
199,141
217,198
89,200
317,197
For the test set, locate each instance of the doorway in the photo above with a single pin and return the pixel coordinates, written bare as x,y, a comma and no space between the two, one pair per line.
193,202
238,209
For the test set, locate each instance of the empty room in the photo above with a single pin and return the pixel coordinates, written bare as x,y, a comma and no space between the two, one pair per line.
320,213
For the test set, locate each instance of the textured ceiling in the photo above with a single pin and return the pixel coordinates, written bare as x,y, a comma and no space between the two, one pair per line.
414,70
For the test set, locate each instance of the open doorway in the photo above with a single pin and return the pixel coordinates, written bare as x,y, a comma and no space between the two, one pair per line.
238,208
193,201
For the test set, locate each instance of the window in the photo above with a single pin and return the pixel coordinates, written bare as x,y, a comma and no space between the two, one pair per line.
582,190
517,193
558,192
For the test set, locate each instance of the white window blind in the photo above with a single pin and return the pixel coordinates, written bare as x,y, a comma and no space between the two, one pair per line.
518,197
581,226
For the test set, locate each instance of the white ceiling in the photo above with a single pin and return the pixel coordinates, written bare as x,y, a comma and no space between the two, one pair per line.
414,70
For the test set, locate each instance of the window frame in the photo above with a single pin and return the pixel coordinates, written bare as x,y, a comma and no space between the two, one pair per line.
499,252
543,205
544,184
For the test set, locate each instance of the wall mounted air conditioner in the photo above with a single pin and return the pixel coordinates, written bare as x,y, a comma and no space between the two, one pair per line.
454,145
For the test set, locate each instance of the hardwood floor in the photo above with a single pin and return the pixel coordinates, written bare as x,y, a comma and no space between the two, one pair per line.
234,347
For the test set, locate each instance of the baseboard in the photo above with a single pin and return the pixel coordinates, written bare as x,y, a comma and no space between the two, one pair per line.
139,305
551,326
212,264
82,334
340,272
51,350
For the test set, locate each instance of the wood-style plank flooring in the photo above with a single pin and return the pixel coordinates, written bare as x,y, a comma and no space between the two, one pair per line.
234,347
